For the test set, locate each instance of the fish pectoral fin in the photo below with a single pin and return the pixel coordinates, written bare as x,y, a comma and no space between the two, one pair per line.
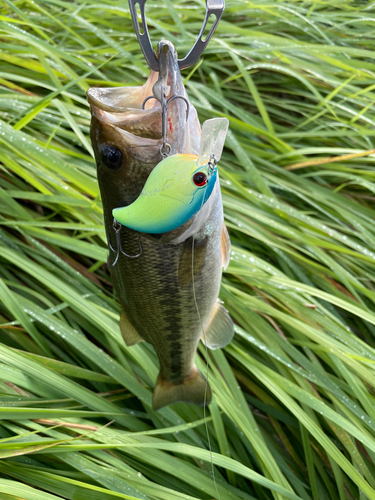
128,332
193,389
225,246
220,329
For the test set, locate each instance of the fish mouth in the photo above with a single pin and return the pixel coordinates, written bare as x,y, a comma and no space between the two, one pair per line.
121,99
128,99
121,107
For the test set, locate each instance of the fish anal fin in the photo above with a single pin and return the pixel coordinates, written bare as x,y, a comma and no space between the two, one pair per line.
186,259
128,332
193,389
220,330
225,246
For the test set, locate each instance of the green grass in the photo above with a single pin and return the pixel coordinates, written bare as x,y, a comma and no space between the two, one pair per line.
293,415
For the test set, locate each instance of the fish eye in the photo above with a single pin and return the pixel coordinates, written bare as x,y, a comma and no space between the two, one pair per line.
200,179
112,157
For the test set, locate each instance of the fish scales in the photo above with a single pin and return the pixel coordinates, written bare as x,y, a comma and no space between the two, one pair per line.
153,284
155,290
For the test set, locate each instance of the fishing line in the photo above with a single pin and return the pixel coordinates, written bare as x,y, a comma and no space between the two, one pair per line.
205,343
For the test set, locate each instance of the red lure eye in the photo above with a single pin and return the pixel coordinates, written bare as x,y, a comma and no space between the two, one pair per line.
200,179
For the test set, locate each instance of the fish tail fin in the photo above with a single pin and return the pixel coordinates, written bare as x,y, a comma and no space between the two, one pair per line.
193,389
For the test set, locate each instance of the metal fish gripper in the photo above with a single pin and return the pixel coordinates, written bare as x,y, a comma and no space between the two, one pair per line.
213,7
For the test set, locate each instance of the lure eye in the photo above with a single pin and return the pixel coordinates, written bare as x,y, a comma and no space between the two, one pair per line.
200,179
112,157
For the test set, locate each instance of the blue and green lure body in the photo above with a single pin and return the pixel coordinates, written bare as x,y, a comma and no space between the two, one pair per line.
174,192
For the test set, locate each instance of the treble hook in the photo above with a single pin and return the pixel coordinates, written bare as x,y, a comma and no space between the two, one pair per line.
165,148
117,227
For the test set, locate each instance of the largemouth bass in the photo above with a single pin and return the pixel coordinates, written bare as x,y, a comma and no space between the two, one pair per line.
169,294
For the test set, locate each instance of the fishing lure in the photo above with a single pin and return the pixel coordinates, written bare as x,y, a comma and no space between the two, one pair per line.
163,215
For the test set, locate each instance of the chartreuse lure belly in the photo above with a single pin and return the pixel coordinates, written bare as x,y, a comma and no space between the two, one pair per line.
174,192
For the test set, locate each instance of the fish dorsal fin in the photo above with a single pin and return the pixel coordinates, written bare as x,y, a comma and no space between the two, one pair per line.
220,330
128,332
225,246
